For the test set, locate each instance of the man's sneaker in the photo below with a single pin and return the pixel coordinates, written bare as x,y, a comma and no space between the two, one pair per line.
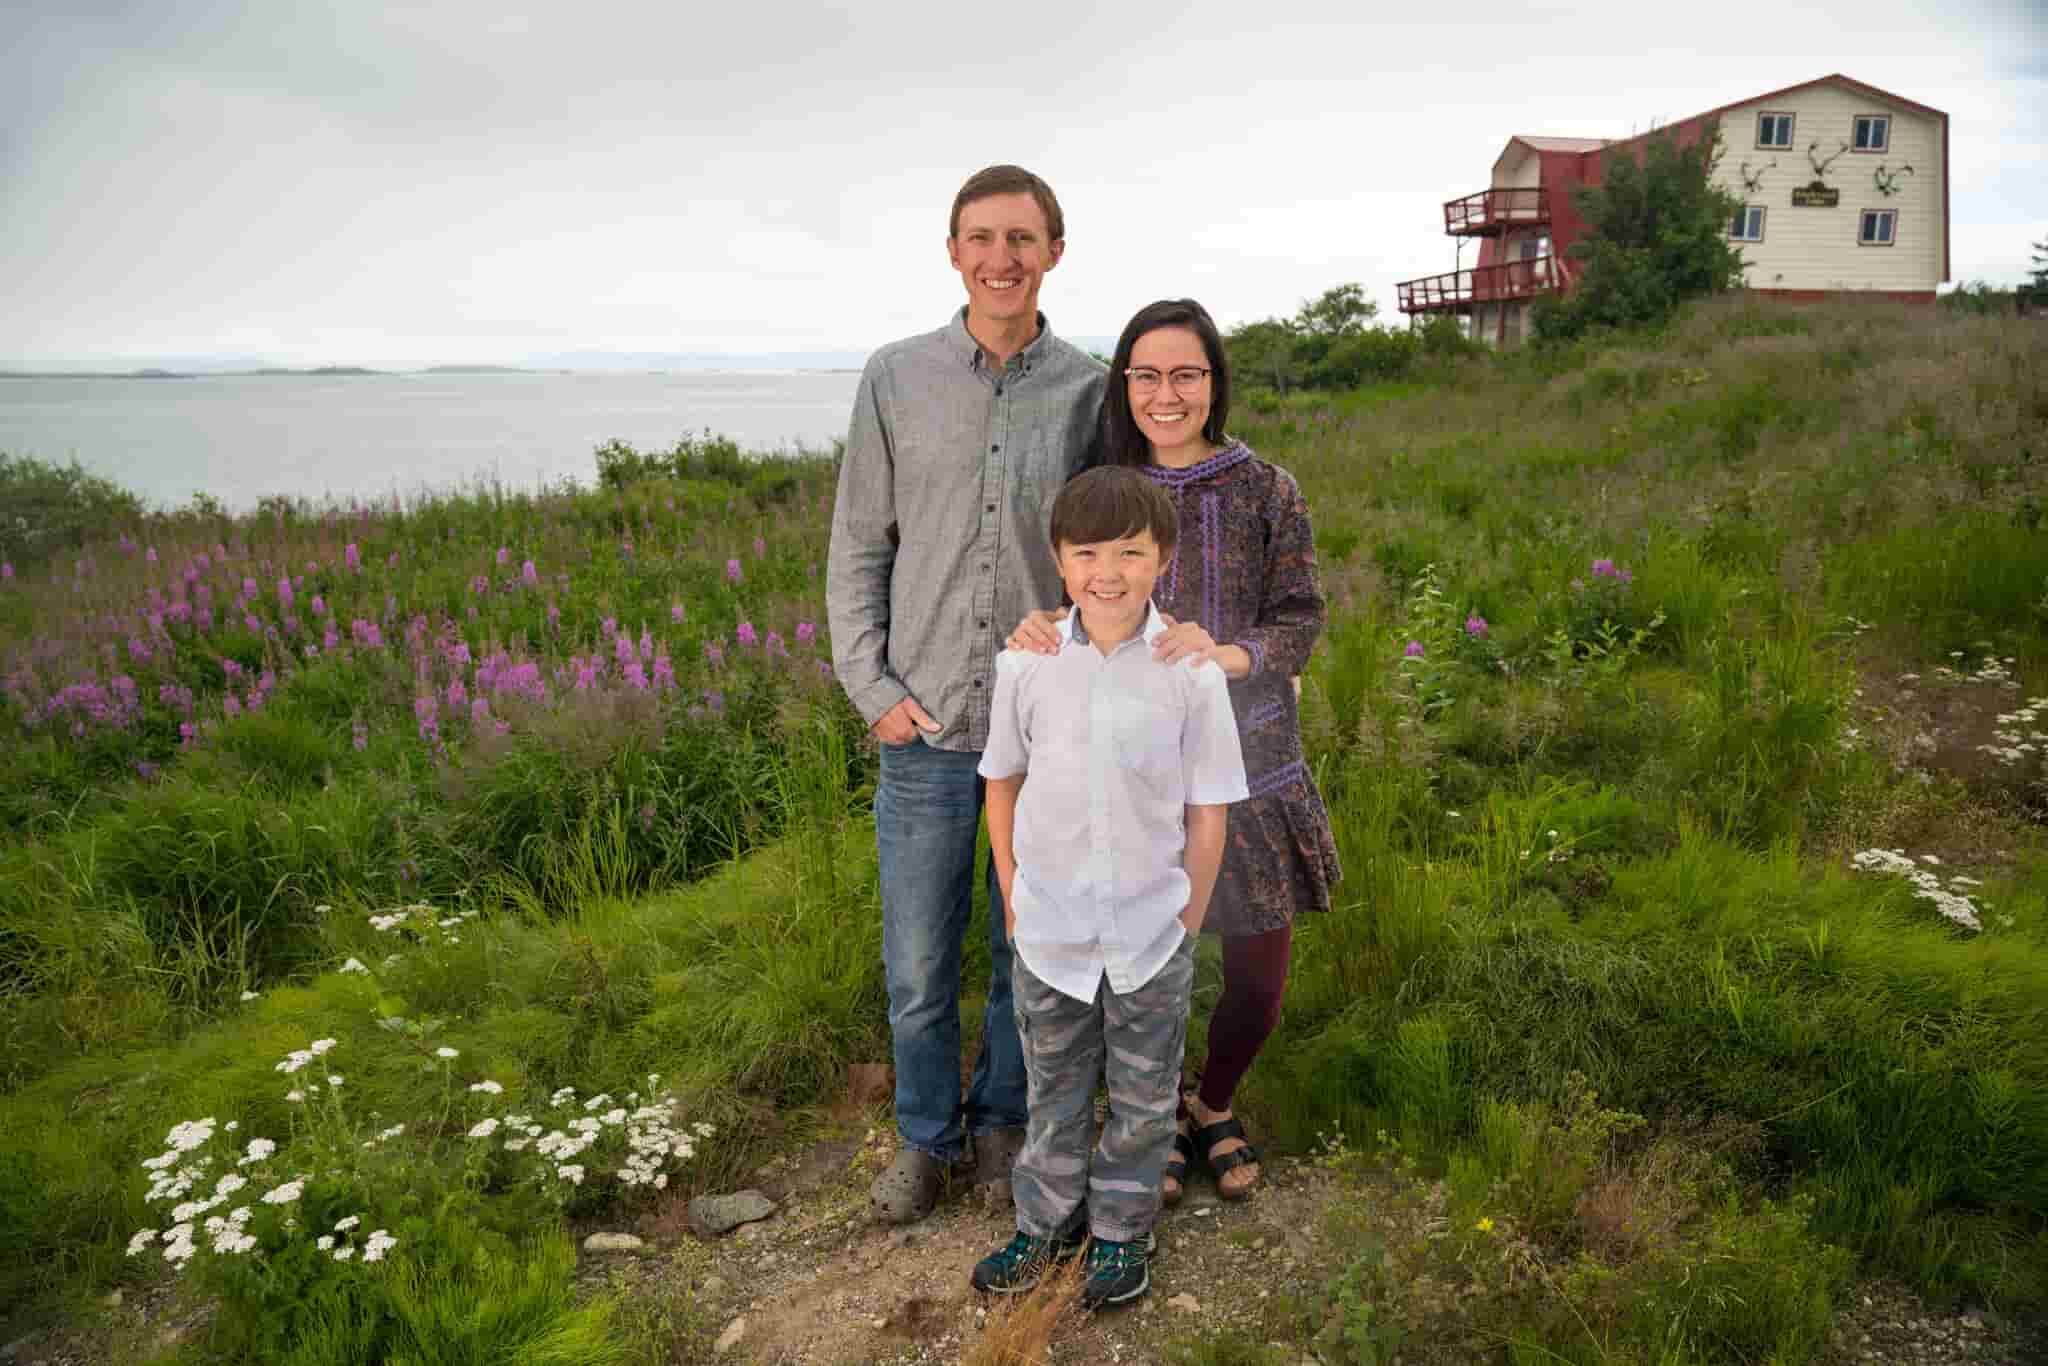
1022,1262
1117,1273
908,1188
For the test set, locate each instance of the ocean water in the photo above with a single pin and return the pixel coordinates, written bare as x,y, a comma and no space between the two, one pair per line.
243,437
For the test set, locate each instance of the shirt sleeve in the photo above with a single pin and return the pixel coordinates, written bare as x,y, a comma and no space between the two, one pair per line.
1212,763
1008,751
1292,611
862,557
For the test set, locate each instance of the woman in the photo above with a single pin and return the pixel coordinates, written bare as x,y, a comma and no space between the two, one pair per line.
1243,592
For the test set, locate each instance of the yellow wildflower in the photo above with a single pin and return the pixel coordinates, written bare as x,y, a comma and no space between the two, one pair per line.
1485,1225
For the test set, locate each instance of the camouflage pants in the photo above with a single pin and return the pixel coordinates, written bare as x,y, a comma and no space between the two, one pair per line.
1133,1043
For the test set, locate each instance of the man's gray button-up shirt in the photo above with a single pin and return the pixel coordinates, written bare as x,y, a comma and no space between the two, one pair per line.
939,543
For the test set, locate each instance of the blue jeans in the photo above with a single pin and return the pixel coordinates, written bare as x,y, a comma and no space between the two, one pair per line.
927,814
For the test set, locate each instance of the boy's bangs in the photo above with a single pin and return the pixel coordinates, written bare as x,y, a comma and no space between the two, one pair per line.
1110,504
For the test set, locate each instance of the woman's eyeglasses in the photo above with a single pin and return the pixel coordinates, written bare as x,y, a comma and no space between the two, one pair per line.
1184,378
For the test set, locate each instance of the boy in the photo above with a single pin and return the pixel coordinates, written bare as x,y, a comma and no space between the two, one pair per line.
1107,857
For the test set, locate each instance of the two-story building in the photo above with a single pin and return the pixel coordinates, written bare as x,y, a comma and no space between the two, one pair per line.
1843,190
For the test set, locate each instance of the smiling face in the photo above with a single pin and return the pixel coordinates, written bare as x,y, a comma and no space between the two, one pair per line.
1171,416
1111,582
1002,250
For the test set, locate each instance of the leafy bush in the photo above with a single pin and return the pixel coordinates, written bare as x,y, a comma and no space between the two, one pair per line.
1656,236
47,510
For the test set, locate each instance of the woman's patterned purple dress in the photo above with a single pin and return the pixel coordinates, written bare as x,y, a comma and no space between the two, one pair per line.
1246,570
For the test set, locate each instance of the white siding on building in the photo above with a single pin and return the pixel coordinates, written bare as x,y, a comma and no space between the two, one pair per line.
1817,248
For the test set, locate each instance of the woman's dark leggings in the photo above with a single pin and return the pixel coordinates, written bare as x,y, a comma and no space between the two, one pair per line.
1254,980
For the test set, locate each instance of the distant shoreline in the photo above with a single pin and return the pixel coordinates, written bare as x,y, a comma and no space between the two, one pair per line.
358,371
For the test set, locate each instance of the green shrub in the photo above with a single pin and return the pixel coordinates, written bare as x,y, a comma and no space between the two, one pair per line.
48,510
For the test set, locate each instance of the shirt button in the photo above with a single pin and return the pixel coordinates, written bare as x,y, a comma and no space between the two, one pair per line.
977,682
981,625
988,507
994,448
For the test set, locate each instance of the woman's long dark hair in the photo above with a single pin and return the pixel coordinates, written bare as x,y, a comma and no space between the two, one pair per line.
1122,442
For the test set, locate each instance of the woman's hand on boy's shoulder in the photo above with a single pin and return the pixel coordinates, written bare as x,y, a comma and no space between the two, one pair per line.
1183,641
1038,633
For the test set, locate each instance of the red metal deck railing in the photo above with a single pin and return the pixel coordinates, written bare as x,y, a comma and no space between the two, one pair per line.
1458,290
1492,211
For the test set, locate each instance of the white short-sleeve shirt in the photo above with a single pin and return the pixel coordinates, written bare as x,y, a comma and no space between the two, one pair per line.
1116,747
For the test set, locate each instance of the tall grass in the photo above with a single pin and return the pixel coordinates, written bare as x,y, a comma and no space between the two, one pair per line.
1599,849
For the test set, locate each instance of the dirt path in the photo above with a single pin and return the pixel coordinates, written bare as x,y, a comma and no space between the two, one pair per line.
821,1284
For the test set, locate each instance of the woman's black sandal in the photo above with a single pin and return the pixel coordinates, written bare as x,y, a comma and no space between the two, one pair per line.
1221,1131
1177,1168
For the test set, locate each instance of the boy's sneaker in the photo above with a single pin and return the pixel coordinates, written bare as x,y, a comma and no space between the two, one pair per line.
1117,1273
1022,1262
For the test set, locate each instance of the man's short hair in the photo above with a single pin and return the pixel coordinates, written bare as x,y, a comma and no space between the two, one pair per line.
1110,502
995,180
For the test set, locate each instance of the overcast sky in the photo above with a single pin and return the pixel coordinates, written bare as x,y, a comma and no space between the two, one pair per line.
439,182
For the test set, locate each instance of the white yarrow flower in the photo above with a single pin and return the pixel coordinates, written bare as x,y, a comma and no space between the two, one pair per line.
354,965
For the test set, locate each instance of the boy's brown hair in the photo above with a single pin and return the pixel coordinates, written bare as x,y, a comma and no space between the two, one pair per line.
995,180
1110,502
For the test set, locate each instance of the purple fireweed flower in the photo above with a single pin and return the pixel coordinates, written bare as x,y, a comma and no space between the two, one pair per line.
675,614
1414,650
145,770
472,612
504,555
646,643
366,633
479,711
732,571
231,705
251,621
150,555
6,571
609,627
636,676
391,562
715,702
330,637
458,696
248,589
138,650
622,651
746,635
775,646
319,606
529,575
299,580
1475,626
805,633
480,586
760,547
310,650
554,619
188,735
230,668
714,652
664,673
360,735
426,710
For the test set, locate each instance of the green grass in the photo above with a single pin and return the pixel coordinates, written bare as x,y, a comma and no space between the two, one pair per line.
1598,939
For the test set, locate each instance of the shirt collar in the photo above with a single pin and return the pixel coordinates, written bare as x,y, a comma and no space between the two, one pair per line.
1072,632
963,344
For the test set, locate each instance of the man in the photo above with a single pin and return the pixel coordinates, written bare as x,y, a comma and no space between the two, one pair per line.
960,439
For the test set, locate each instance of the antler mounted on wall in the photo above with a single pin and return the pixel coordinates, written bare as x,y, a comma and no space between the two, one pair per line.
1753,183
1888,180
1820,168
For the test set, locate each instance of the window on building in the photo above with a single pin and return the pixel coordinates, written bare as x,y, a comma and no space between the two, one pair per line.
1878,227
1873,132
1774,130
1749,224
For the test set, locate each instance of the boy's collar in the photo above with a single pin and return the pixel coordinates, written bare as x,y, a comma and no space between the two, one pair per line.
1072,632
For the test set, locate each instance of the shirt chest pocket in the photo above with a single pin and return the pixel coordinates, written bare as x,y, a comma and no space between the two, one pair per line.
1147,738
